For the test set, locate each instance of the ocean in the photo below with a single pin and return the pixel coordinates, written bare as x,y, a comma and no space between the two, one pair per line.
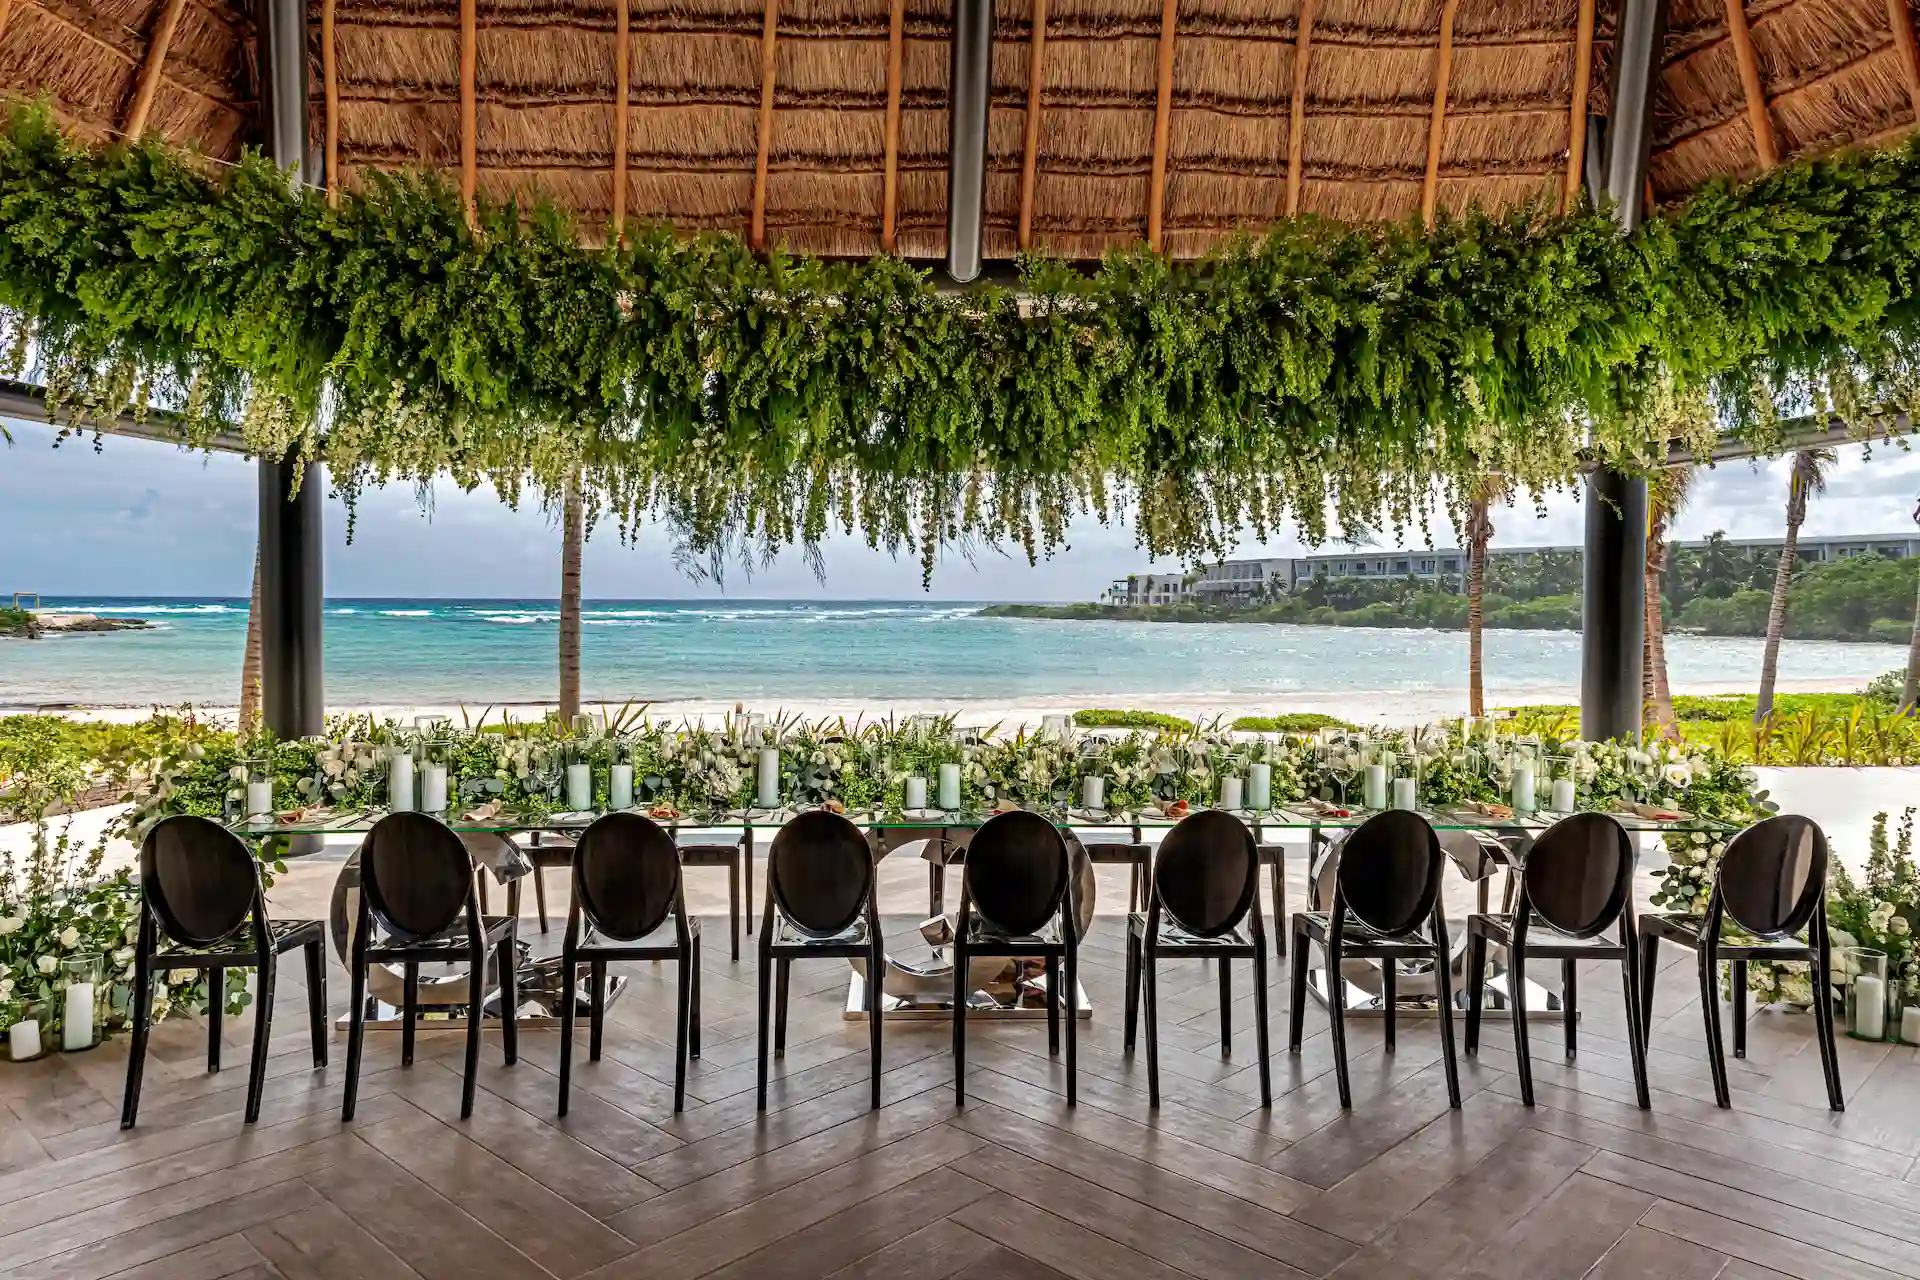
473,652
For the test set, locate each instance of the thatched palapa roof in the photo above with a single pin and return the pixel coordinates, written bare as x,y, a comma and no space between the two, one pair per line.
1195,117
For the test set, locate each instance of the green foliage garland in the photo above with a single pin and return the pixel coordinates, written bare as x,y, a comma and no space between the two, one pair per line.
754,403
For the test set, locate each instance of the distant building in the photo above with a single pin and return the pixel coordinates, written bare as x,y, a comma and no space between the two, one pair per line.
1232,581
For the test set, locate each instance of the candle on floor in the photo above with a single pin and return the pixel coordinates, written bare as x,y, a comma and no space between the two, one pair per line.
400,783
1373,793
1523,788
620,787
1563,797
1259,786
949,786
433,788
579,787
259,800
76,1026
1093,792
1910,1025
1403,793
23,1040
768,787
916,799
1869,1007
1231,789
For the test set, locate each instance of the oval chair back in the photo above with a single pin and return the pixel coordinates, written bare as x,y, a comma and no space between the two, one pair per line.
1773,875
199,879
1207,874
1390,872
1016,872
416,875
626,876
1578,876
820,873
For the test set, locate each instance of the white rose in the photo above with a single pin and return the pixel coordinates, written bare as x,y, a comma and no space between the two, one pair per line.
6,988
132,932
46,965
69,938
11,924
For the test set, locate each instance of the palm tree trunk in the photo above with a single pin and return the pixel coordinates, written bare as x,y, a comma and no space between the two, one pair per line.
250,662
572,534
1479,532
1777,615
1909,691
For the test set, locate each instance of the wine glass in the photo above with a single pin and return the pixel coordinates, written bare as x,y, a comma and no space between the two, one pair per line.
1339,762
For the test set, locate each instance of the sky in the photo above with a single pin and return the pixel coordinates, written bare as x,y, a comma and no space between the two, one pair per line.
141,518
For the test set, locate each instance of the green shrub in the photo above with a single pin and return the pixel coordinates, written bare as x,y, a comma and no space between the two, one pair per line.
1292,722
1887,689
1098,718
18,622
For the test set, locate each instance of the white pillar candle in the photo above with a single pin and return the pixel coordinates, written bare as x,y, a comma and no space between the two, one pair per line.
259,799
768,790
1869,1007
916,793
77,1023
579,787
1403,793
400,783
1523,788
1563,797
433,788
620,787
23,1040
949,786
1260,786
1373,793
1910,1025
1093,792
1230,791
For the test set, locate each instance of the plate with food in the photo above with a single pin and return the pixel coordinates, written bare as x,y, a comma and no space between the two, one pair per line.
663,812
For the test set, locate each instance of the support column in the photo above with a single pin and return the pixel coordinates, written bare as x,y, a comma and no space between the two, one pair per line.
1614,611
293,697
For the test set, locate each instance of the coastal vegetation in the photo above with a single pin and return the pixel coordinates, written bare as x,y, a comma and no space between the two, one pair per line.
18,622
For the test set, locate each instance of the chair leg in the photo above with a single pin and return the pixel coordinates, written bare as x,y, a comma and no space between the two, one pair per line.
216,1007
409,1011
1390,1003
1829,1051
597,1009
936,888
356,1027
960,994
746,876
733,903
262,1029
1569,1004
1053,1006
1226,1006
569,994
1738,982
1649,969
1517,1010
141,1012
476,1012
782,966
1149,967
1443,977
1260,1024
876,965
1279,873
683,1029
1476,986
540,894
1337,1023
1710,1011
1133,887
1072,1015
1133,991
1636,1033
317,1000
1297,1002
693,1013
766,1008
509,997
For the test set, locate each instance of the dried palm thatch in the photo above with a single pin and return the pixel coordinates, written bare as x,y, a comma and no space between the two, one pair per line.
1831,74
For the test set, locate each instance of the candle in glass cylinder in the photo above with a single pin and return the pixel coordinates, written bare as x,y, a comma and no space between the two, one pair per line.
1093,792
433,788
1231,788
1259,786
1910,1025
1869,1007
579,787
1403,793
949,786
1563,797
77,1022
916,793
259,800
400,783
620,787
1373,793
767,791
23,1039
1523,788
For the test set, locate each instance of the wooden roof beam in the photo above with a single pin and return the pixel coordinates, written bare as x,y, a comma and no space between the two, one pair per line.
1764,145
757,237
6,12
1437,124
1162,124
1036,79
890,191
1297,105
149,82
1899,18
622,91
469,108
1577,108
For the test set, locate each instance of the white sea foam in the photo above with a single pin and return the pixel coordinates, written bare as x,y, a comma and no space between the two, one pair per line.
406,613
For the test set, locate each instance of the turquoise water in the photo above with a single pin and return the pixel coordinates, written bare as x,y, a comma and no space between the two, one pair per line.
438,652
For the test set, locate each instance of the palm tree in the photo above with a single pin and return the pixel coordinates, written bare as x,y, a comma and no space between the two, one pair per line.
1808,477
250,662
1489,490
1666,494
1910,691
573,525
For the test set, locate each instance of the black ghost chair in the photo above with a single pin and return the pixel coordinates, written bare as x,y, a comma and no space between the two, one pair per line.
1204,904
1016,900
821,902
419,905
202,907
1577,883
628,904
1387,885
1772,883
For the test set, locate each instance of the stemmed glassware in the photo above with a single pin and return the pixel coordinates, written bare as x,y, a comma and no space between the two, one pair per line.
1339,761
